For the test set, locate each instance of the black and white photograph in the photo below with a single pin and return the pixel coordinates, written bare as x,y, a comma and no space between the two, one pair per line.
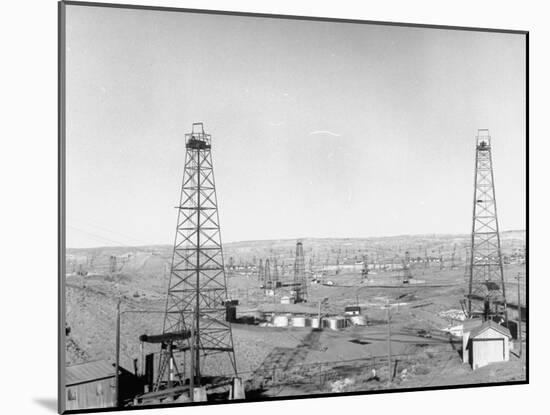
259,207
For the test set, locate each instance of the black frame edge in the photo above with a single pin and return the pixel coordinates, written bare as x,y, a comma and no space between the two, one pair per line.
289,17
61,10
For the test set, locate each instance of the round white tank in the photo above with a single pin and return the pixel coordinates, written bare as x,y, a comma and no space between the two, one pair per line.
314,322
358,320
280,321
333,323
298,321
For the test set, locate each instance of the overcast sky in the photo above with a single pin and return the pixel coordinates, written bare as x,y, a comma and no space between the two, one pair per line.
319,129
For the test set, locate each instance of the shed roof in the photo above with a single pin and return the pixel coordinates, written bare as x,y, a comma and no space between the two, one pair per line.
470,324
489,324
88,372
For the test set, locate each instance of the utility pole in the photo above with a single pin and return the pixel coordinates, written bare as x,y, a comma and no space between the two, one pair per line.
117,355
389,342
425,257
453,265
519,317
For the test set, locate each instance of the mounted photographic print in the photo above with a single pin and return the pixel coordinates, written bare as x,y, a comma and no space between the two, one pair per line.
256,207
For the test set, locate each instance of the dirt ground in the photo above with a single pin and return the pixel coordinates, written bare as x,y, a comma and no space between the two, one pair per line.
285,361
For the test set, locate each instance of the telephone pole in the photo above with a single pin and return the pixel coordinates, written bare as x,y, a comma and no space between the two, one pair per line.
388,316
518,278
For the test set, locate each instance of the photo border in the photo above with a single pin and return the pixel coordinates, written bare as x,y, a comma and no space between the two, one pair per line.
61,200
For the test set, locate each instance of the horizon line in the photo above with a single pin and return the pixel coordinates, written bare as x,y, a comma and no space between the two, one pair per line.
300,238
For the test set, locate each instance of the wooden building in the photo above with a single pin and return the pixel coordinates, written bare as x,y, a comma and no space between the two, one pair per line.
486,343
90,385
352,310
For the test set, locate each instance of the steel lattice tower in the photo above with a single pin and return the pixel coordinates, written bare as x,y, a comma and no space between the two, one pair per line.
231,268
275,276
300,274
260,270
365,269
197,285
407,274
486,275
267,273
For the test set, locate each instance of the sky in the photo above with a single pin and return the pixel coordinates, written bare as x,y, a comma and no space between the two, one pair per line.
319,129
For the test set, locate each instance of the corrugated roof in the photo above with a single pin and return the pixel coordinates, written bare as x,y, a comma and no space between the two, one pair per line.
87,372
490,324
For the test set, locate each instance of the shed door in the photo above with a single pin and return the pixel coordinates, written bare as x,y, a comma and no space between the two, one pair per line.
487,351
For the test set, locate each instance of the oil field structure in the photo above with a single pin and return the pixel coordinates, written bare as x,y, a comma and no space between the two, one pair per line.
486,275
195,324
382,316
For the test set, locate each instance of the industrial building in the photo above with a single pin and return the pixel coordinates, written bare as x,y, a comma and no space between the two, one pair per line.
92,385
486,343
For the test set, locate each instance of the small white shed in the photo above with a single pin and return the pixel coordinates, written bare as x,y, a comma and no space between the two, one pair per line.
486,343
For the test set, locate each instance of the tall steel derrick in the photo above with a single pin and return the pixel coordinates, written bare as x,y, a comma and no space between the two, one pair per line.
195,305
275,276
407,273
230,268
486,290
267,273
365,269
260,270
300,281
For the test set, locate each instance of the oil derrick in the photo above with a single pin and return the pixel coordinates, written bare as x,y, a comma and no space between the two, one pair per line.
261,270
486,290
425,257
267,275
441,264
231,267
275,275
300,282
112,264
395,262
324,273
407,257
365,270
81,271
337,265
407,274
453,256
195,328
